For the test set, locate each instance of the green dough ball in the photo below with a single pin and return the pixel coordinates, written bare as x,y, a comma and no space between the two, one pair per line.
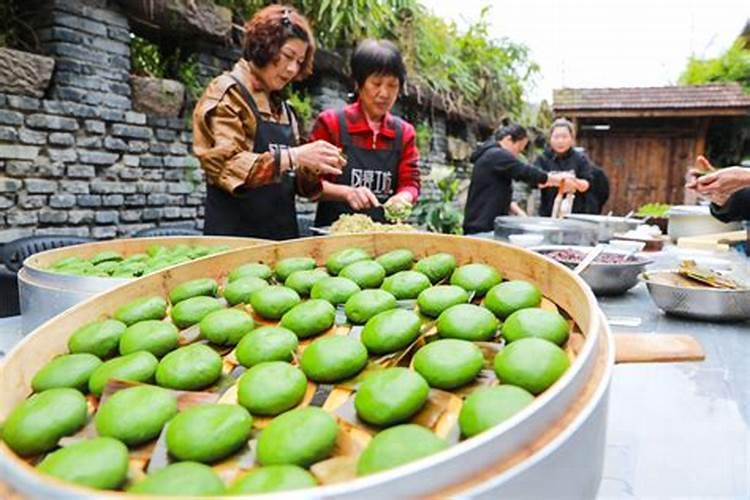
391,331
489,406
298,437
396,260
309,318
68,370
467,322
506,298
436,267
135,415
535,322
398,446
449,363
191,311
181,479
365,273
533,364
365,304
273,478
209,432
99,338
285,267
333,358
100,463
142,309
433,301
273,301
271,388
477,278
226,326
303,281
136,367
240,290
38,423
342,258
252,270
334,289
156,337
194,288
189,368
269,343
390,396
406,284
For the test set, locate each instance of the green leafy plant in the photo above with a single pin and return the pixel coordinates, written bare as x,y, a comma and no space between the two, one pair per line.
732,66
146,58
424,136
441,214
301,103
187,73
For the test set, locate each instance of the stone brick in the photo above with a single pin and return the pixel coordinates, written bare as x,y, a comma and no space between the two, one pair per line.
130,174
107,99
28,136
97,157
113,200
176,161
194,200
89,200
62,201
8,134
188,213
91,11
77,23
172,212
10,117
22,218
186,137
80,53
31,202
8,235
112,187
81,216
158,148
6,203
82,231
89,142
88,82
61,139
119,34
104,232
167,135
95,126
131,131
173,175
151,187
119,88
131,229
178,149
176,123
135,200
17,152
63,155
18,168
131,160
152,214
81,171
137,146
180,188
153,175
106,217
135,118
53,216
49,169
24,103
130,215
174,200
111,115
151,161
156,199
75,187
68,108
120,62
40,186
51,122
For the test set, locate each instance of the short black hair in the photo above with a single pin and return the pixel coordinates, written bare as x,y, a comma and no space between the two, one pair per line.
377,57
514,130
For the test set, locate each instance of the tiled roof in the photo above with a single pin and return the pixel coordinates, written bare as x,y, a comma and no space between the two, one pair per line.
652,98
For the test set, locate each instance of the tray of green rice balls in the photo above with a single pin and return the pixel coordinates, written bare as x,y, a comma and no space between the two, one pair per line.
340,363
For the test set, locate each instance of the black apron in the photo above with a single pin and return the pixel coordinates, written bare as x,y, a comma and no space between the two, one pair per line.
376,169
267,211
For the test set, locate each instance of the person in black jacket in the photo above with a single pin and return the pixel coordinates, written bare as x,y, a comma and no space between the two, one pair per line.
598,194
560,156
727,188
495,166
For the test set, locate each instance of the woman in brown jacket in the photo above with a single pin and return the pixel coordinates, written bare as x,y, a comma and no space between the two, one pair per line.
246,137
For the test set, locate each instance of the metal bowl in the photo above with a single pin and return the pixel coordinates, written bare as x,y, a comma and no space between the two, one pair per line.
555,231
707,304
607,225
604,279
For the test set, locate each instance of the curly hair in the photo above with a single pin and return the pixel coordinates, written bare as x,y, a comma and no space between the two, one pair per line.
269,29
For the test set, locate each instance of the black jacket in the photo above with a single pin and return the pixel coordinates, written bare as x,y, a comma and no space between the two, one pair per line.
490,191
598,192
736,208
571,161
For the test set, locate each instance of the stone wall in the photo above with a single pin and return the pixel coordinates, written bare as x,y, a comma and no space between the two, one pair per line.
81,161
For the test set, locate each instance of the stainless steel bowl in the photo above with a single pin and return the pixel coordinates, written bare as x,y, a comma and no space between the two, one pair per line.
555,231
698,303
607,225
604,279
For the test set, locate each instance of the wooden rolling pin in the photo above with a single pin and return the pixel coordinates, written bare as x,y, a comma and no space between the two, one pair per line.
656,348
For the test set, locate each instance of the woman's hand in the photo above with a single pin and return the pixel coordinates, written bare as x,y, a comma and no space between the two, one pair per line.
320,158
398,207
723,183
361,198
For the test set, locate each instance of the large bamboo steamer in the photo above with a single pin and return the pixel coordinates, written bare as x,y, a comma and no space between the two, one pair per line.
44,294
553,448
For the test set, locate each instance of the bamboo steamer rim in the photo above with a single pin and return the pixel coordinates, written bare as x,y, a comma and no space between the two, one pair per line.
555,280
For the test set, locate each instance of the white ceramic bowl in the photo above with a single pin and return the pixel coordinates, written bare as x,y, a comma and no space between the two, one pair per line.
526,239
